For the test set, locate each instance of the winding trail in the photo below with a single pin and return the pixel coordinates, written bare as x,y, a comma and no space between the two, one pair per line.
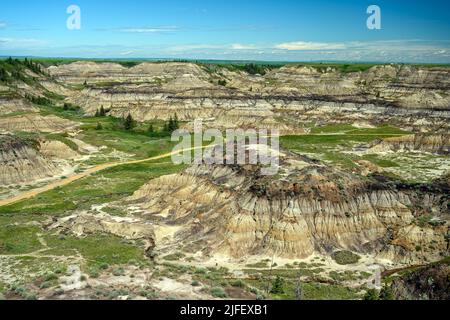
68,180
63,182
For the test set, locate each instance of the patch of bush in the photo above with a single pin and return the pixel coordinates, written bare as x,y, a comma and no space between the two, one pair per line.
345,257
50,277
118,272
372,294
238,283
218,292
195,283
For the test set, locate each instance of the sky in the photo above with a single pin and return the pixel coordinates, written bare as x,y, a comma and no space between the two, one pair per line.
267,30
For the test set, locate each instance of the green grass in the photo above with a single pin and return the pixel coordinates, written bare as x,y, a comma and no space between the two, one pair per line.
376,159
105,186
136,142
311,290
62,138
328,143
99,249
18,239
319,291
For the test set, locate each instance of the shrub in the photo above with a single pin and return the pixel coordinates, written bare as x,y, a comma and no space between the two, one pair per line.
387,293
345,257
50,277
45,285
238,283
218,292
372,294
118,272
195,283
93,273
104,266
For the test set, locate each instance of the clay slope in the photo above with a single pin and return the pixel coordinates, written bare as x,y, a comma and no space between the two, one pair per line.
10,105
425,283
21,161
438,144
307,208
36,123
284,98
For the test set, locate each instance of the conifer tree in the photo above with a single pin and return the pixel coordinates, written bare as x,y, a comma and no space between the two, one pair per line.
128,122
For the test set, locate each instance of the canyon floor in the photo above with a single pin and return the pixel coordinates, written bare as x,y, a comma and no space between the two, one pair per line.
92,207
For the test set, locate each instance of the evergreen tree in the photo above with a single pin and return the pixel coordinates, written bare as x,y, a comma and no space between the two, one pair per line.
128,122
278,286
97,113
102,112
3,75
151,129
172,125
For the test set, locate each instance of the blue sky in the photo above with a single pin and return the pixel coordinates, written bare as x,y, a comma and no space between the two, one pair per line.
294,30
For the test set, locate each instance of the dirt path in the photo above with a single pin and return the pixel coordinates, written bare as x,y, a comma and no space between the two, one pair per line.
68,180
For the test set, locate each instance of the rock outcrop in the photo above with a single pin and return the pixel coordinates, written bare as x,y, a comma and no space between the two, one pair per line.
36,123
285,98
236,211
57,150
438,144
21,161
426,283
10,105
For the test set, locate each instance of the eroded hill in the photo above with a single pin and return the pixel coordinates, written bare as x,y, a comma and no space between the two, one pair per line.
363,181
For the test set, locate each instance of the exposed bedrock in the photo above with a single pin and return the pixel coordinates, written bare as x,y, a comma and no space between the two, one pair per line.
20,161
405,95
28,160
36,123
315,209
438,144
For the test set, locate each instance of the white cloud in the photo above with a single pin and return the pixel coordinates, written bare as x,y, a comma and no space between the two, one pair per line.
127,53
238,46
234,46
20,43
3,24
150,30
302,45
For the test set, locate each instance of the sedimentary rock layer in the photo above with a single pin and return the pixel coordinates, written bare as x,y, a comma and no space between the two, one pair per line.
236,211
284,98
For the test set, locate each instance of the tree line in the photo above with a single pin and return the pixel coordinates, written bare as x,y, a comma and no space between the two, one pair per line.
11,69
129,123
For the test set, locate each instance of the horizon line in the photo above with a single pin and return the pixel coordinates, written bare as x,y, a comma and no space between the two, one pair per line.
166,59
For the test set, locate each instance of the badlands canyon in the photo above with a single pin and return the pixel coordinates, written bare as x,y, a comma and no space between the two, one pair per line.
92,207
